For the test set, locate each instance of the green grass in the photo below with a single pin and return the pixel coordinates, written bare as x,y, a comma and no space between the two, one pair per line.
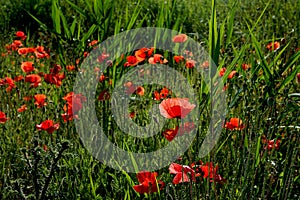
265,97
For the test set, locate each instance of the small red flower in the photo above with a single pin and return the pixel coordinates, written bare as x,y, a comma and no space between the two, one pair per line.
33,79
157,58
22,108
183,173
234,124
140,91
73,106
27,66
245,66
170,134
273,46
178,59
70,67
209,171
8,81
175,108
3,118
147,182
40,100
131,61
190,63
143,53
21,35
47,125
180,38
104,95
232,74
222,71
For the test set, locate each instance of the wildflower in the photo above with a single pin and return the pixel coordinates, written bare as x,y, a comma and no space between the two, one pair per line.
148,183
22,108
205,64
170,134
8,81
131,61
245,66
143,53
232,74
157,58
33,79
27,66
183,173
40,100
180,38
178,59
222,71
21,35
273,46
140,91
175,108
104,95
209,171
190,63
47,125
3,117
70,67
298,78
73,106
234,124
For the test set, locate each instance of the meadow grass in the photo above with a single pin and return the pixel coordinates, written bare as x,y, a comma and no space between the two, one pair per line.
38,165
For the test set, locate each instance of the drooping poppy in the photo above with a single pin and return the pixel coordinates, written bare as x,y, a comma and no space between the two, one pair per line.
3,117
234,124
148,183
183,173
47,125
27,66
175,108
40,100
180,38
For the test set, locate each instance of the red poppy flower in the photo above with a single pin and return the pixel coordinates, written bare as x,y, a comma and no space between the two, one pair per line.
273,46
47,125
143,53
157,58
245,66
3,117
104,95
93,43
178,59
70,68
55,79
132,114
8,81
22,108
74,104
40,100
222,71
271,144
41,53
205,64
27,66
131,61
232,74
147,182
130,87
190,63
17,44
164,93
209,171
22,51
140,90
234,124
175,108
33,79
180,38
183,173
21,35
170,134
102,57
